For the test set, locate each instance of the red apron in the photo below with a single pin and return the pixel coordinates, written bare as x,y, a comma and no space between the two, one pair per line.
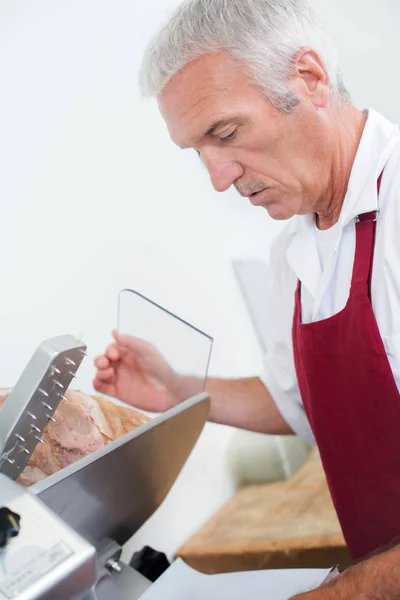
353,405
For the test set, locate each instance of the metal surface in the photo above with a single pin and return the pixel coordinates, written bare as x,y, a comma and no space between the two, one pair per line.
120,583
48,560
127,585
112,492
130,584
33,400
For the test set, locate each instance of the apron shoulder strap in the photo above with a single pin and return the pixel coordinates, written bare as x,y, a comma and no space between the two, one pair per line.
365,243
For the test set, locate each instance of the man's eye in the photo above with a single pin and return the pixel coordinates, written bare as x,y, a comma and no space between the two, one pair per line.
228,137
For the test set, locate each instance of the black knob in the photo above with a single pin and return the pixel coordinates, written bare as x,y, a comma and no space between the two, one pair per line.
9,526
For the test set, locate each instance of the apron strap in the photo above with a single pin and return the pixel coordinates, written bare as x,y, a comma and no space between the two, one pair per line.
365,243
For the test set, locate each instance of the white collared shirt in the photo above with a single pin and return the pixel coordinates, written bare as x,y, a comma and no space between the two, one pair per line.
325,290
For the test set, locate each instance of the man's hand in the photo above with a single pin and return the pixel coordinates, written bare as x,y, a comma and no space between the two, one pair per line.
133,371
377,578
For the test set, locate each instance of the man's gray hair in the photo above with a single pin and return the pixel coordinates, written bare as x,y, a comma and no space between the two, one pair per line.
266,35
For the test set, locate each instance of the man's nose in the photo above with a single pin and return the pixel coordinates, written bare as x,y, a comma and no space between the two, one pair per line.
223,173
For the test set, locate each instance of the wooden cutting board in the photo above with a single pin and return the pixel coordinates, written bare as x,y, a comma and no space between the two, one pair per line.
288,524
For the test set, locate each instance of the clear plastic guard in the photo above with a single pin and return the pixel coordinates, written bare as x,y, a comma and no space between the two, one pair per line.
175,354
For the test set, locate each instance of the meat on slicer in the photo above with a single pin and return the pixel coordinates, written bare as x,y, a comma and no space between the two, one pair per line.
62,538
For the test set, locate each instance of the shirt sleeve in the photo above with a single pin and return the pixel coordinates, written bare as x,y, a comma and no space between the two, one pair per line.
279,374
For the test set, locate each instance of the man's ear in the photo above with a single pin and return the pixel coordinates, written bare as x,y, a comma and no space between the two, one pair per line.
309,77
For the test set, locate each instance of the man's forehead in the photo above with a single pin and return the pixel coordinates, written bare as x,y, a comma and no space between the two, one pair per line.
218,71
200,91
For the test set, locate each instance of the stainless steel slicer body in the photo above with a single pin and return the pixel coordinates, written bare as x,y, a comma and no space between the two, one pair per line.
57,530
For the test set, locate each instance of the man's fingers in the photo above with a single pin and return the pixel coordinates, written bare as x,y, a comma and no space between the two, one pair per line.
98,384
105,374
134,344
102,362
104,388
112,352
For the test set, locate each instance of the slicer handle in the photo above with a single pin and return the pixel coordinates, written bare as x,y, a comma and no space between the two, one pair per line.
9,526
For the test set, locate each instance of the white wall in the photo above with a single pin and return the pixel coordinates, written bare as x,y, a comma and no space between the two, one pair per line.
94,198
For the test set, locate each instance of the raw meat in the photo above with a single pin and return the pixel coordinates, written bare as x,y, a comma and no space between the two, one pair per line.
83,425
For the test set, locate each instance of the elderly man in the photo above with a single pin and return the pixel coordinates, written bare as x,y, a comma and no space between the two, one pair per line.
253,86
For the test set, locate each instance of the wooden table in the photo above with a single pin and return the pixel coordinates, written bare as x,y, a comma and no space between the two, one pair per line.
288,524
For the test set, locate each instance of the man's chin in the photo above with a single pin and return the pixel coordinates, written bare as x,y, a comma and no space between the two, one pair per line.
278,213
274,203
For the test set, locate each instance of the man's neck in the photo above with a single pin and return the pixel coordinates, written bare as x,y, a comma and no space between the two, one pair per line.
349,129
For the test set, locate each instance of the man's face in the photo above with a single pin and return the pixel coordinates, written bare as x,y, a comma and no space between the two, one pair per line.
279,161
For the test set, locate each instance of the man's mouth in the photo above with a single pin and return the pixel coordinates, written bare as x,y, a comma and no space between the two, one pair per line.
255,193
255,197
250,195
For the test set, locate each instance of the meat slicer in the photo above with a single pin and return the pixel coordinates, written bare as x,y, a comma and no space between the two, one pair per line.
62,538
